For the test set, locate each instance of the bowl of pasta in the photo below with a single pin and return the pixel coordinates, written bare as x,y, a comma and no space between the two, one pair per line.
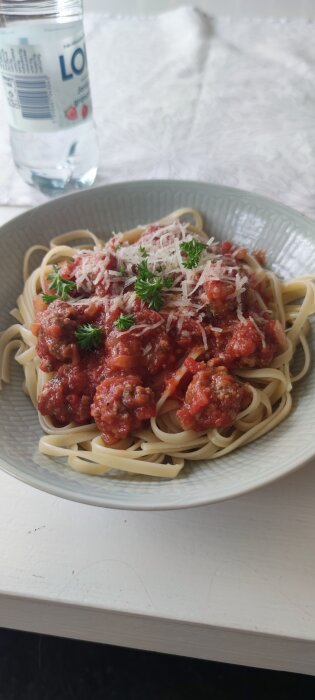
156,346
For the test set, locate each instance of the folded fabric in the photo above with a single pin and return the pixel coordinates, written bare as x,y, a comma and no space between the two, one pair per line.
184,96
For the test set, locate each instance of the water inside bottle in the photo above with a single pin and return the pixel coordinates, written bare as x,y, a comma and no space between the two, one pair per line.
57,162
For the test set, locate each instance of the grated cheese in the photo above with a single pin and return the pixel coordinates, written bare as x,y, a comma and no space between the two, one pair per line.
145,326
170,318
204,337
259,331
180,324
147,349
186,298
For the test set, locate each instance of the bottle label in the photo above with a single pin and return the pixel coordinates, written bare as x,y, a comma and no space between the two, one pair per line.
45,75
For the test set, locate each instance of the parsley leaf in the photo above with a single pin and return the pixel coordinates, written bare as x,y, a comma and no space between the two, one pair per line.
149,287
193,250
89,337
143,251
48,298
124,322
61,286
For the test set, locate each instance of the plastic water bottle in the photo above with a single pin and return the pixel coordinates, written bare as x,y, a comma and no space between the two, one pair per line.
46,84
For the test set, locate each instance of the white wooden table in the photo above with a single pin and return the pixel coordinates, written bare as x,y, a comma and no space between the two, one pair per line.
232,582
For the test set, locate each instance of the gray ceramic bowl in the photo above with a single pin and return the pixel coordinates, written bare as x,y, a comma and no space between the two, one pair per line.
246,218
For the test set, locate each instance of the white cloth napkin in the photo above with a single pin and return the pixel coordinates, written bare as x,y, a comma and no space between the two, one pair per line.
184,96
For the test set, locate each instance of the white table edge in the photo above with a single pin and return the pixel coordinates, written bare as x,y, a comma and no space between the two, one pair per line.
145,632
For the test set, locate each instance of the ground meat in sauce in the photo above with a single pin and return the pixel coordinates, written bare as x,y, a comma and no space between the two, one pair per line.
56,338
245,341
120,405
188,334
213,400
146,347
119,383
221,296
247,347
56,343
63,405
96,377
68,396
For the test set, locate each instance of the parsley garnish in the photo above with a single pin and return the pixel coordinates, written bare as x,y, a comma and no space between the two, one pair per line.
48,298
122,270
149,287
124,322
143,251
89,337
61,286
193,250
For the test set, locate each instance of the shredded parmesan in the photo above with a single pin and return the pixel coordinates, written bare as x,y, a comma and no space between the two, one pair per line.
180,324
258,331
240,283
113,270
145,326
147,349
204,337
170,318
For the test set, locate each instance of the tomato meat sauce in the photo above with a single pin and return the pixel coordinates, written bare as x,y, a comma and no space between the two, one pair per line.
121,404
213,400
116,343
